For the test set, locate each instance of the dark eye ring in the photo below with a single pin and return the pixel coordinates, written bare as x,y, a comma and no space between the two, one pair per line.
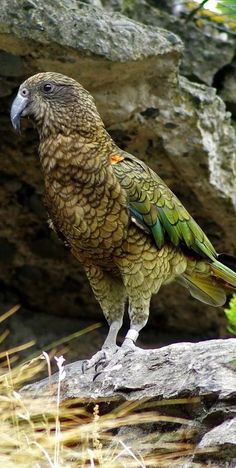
48,88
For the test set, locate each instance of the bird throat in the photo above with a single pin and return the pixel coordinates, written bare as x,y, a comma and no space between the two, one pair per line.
66,156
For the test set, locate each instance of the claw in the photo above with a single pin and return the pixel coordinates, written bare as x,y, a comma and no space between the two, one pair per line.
116,361
101,358
102,363
96,375
83,367
94,361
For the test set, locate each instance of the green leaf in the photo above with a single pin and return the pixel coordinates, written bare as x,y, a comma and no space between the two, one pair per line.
231,315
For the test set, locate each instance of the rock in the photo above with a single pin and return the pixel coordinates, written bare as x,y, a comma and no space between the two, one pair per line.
207,48
11,65
80,33
204,369
223,437
183,383
226,81
214,126
179,128
7,250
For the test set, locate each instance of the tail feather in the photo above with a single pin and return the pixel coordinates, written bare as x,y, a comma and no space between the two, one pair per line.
212,283
204,288
221,271
227,260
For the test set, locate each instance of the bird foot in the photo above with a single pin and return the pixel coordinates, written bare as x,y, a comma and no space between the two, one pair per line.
101,358
129,345
116,360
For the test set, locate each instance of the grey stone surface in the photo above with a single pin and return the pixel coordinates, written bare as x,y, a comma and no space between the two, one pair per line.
228,88
89,30
194,385
207,47
222,437
182,369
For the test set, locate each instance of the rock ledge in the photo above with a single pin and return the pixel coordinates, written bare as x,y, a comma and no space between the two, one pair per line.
203,375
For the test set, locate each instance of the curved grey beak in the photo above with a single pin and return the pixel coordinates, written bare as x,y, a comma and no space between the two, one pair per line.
18,106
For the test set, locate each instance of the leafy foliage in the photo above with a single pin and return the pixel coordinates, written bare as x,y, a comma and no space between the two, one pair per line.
227,7
223,20
231,315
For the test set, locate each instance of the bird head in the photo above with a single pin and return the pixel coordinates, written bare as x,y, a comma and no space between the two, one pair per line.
57,103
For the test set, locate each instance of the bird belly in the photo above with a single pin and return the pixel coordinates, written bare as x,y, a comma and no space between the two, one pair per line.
144,267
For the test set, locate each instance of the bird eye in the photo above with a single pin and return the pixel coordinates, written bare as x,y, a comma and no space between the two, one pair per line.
48,88
24,92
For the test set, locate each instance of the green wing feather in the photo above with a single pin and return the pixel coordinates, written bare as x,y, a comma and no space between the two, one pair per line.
157,210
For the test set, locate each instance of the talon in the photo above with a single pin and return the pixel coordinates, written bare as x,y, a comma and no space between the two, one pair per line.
96,375
100,363
100,358
84,366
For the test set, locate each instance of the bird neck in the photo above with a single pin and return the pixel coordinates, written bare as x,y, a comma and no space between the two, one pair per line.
72,156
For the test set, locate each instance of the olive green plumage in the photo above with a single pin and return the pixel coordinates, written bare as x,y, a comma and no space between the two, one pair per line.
160,213
153,204
121,221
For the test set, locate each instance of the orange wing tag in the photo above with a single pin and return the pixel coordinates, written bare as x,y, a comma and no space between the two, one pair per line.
116,158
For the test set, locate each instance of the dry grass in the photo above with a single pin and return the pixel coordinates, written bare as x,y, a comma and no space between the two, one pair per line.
74,435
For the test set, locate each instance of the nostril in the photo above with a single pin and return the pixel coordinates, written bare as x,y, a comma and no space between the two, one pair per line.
24,92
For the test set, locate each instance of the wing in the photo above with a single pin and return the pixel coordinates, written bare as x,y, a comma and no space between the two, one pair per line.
156,209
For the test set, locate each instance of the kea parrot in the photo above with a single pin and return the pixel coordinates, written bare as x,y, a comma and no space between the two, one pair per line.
118,217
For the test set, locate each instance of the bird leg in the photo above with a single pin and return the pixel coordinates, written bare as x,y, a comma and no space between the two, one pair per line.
115,360
109,348
138,321
111,294
138,313
130,339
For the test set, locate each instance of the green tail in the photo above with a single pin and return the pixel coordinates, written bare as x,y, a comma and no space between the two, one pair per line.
223,272
204,288
211,288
